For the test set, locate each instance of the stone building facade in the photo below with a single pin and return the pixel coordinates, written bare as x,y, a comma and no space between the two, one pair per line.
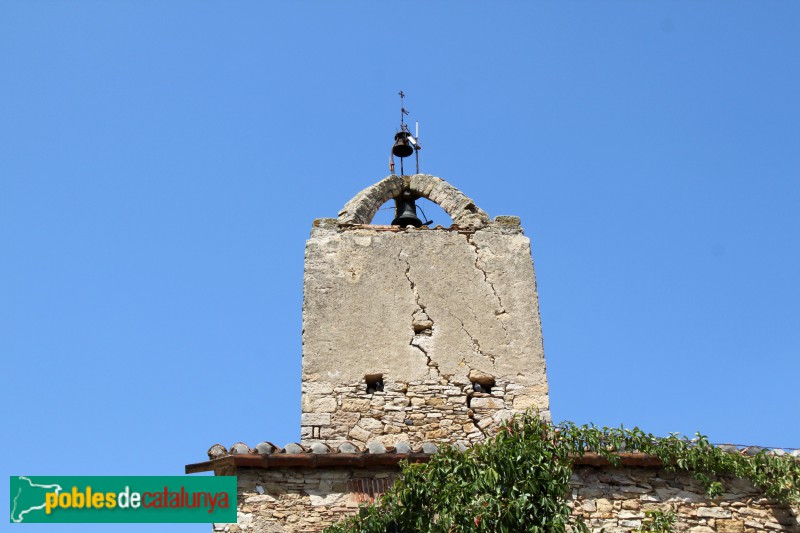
415,338
308,491
445,320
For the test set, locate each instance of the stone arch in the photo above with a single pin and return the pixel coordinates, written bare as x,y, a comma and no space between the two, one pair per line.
362,207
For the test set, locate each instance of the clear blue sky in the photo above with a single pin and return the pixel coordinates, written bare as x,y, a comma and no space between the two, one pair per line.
161,164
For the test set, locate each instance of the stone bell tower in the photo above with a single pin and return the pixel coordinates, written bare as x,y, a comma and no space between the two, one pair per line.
414,337
412,334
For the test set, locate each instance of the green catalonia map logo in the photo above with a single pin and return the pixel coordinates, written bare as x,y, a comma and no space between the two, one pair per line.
118,499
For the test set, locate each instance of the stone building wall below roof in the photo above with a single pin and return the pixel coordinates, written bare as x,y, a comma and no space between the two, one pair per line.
292,500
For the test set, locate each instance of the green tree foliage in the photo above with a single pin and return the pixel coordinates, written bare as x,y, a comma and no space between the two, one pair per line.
658,521
519,479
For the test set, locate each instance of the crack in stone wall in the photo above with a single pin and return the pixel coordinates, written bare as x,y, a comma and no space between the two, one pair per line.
421,323
501,308
473,318
476,345
474,245
410,281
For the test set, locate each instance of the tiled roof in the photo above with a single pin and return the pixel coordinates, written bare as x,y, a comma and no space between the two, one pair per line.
374,447
319,455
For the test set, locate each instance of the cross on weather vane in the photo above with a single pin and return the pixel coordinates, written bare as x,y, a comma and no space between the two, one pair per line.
403,111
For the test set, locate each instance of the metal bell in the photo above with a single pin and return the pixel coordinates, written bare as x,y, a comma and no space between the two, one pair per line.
402,146
406,212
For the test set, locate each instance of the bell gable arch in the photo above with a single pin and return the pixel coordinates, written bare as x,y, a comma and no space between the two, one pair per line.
362,207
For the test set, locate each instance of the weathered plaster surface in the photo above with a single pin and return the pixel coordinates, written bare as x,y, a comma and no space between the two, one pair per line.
430,310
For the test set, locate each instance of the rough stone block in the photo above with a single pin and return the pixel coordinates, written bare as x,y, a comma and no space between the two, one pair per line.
325,405
359,434
371,425
312,387
355,405
315,419
487,403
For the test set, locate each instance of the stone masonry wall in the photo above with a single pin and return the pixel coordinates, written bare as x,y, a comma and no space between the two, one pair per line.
615,500
412,412
306,500
296,499
432,314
